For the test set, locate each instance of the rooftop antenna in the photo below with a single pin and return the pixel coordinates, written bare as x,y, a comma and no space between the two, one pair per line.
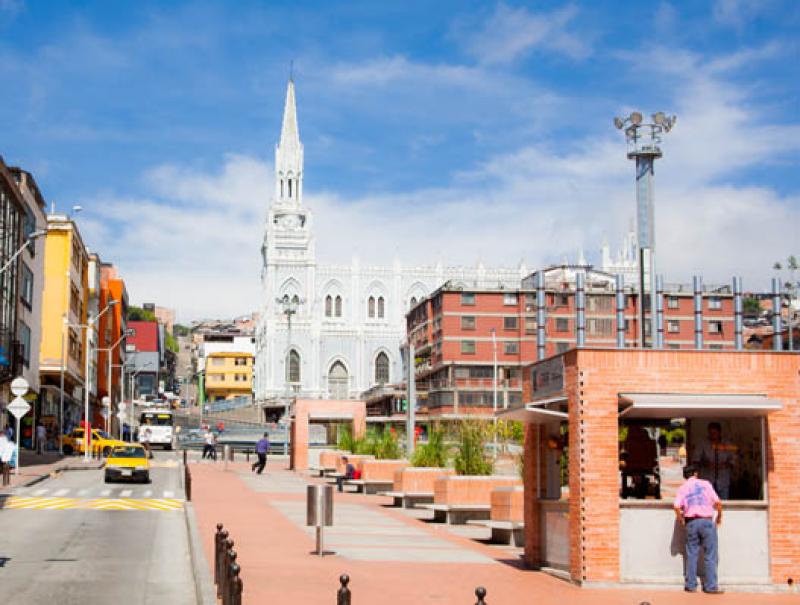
291,70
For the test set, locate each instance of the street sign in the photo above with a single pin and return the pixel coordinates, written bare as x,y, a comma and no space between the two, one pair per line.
19,407
19,386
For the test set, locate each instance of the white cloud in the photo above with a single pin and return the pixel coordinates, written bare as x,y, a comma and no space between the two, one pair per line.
511,33
736,13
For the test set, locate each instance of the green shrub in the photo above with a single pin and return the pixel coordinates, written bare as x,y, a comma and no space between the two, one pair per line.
387,446
471,456
345,440
433,453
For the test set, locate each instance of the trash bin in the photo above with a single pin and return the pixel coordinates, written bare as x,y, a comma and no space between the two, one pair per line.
319,510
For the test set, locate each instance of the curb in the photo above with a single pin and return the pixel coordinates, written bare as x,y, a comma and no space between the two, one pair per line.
203,585
61,469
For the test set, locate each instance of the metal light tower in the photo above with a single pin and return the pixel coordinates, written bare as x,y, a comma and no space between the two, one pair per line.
289,307
643,146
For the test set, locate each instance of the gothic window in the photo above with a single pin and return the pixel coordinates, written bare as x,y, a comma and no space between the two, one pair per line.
338,381
382,368
281,187
338,306
381,307
293,367
413,301
296,300
290,187
371,307
328,306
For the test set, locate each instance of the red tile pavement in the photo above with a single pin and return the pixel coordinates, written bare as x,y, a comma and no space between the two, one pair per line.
276,563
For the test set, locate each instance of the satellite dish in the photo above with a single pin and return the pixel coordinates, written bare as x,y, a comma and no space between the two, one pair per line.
618,123
636,118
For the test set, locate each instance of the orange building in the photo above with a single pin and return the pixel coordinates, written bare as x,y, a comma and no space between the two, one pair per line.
112,325
582,409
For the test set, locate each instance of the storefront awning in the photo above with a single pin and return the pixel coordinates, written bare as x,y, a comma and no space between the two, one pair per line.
677,405
532,413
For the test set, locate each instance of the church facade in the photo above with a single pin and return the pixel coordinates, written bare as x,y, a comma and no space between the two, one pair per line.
334,331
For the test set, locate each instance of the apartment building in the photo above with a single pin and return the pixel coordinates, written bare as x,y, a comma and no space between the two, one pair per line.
229,375
64,315
461,335
144,350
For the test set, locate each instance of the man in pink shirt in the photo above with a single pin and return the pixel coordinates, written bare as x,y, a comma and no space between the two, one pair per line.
695,505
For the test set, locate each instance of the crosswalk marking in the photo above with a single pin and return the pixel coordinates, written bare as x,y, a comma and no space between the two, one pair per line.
148,493
105,492
127,493
90,493
53,503
81,492
169,494
61,492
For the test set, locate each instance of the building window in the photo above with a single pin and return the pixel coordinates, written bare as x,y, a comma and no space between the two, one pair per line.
293,367
338,306
673,302
25,340
511,348
468,347
562,324
673,326
530,325
338,381
468,298
371,307
75,302
413,302
241,361
381,307
714,303
328,306
715,347
217,361
673,345
510,323
600,303
510,298
562,300
715,327
467,322
74,347
26,291
382,368
562,347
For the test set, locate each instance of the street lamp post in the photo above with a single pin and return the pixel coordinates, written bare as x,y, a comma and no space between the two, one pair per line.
28,240
87,429
289,307
643,146
109,351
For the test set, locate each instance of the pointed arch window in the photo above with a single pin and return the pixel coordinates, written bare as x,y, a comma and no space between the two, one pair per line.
290,187
281,188
381,307
329,306
371,307
293,367
338,381
382,368
413,302
338,308
295,300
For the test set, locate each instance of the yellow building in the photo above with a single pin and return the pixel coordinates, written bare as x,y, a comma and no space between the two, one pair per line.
64,308
228,375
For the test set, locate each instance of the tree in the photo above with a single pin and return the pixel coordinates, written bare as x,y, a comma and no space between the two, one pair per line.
139,314
181,330
171,343
751,306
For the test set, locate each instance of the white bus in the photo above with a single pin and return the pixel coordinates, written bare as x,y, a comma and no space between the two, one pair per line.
157,427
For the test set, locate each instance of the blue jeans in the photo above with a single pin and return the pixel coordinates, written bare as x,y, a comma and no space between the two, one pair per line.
701,532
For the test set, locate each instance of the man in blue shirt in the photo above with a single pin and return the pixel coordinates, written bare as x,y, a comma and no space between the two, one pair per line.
262,447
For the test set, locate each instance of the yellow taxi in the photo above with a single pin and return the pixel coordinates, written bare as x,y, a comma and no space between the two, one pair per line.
129,461
101,442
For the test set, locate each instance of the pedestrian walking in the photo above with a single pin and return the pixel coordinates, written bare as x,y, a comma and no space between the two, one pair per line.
262,448
209,448
695,505
8,458
41,438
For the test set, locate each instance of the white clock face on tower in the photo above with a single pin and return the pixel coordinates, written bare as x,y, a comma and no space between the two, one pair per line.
291,222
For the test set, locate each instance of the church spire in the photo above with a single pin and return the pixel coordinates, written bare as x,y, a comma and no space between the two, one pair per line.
289,154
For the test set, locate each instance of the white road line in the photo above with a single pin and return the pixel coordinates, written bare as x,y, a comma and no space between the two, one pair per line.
40,492
105,493
82,492
126,493
148,493
62,492
169,494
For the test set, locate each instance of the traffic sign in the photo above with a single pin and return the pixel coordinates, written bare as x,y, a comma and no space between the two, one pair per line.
19,407
121,406
19,386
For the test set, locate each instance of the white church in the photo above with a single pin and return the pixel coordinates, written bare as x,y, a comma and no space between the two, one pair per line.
333,331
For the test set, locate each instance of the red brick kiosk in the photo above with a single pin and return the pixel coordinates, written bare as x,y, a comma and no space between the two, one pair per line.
608,431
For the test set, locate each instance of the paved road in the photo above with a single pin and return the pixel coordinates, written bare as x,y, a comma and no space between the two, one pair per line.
81,554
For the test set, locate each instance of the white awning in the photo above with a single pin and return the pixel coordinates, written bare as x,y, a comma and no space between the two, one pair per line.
532,413
679,405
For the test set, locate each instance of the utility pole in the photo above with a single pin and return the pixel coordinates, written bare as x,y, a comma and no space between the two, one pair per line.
289,307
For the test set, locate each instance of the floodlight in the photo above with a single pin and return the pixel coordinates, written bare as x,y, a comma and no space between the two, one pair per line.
630,132
659,118
618,123
636,118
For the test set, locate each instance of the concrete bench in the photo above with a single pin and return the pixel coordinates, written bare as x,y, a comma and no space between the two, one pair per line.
367,486
408,499
458,514
504,532
321,471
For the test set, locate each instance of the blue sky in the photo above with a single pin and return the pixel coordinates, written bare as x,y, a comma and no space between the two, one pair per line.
454,130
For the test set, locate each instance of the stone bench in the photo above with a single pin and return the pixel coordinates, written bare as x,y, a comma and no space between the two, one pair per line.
457,499
366,486
504,532
414,485
321,471
458,514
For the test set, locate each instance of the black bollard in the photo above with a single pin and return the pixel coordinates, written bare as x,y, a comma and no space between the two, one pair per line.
226,593
184,456
343,596
218,539
187,483
237,587
480,592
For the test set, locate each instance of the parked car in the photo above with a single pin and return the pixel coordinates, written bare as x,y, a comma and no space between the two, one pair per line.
100,442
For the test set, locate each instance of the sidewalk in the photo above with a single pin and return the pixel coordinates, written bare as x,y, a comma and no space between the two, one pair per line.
390,557
34,467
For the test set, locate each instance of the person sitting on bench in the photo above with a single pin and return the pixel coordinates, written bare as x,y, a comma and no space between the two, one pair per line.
349,473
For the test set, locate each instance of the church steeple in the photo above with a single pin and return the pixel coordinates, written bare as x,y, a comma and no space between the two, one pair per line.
289,154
